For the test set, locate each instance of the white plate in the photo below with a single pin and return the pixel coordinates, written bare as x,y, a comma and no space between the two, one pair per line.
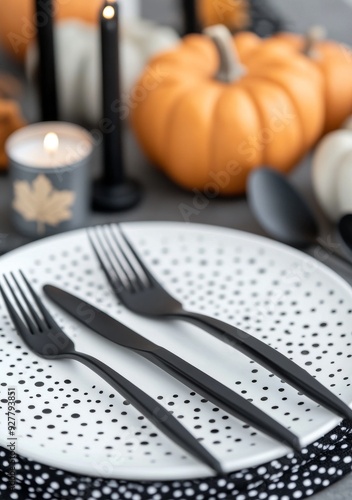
69,418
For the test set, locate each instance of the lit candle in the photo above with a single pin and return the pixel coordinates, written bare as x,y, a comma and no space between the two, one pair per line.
49,145
50,177
47,74
113,191
113,154
190,15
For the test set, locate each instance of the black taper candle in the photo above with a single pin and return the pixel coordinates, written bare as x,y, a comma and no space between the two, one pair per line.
190,15
113,191
113,152
47,73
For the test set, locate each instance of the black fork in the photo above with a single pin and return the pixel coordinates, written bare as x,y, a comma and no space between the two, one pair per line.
140,292
42,335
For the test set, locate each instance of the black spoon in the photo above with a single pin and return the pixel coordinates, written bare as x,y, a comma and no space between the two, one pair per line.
284,214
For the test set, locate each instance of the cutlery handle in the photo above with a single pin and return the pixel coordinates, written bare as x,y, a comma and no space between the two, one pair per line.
271,359
151,409
222,396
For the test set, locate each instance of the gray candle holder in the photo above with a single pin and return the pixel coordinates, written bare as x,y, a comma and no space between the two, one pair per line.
50,191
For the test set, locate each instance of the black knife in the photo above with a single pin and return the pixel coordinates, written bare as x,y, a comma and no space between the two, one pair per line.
205,385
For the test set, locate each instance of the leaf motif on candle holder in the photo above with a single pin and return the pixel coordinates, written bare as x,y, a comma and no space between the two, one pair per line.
40,202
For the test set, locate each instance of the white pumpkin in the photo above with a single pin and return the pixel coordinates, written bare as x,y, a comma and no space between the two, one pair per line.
78,62
130,8
332,172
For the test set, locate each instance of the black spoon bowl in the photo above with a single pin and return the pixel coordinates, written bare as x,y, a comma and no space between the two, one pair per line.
284,214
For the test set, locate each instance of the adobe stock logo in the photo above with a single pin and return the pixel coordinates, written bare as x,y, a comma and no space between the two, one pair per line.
201,199
29,25
224,7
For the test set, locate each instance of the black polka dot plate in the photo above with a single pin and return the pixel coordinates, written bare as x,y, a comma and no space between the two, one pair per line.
69,418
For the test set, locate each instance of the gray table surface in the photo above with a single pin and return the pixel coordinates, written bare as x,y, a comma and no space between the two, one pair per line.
162,199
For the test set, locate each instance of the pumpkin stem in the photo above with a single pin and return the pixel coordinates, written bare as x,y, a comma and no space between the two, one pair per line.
314,35
230,68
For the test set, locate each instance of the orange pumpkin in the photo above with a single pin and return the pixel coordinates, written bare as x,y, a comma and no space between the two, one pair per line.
17,21
203,118
234,14
334,60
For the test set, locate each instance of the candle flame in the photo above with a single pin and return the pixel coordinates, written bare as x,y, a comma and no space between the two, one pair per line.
109,12
51,143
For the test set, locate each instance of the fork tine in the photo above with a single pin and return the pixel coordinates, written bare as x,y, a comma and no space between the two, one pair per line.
136,256
37,319
47,316
115,249
19,324
131,261
106,262
33,328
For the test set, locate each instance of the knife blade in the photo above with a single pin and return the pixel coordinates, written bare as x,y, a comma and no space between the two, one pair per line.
212,390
